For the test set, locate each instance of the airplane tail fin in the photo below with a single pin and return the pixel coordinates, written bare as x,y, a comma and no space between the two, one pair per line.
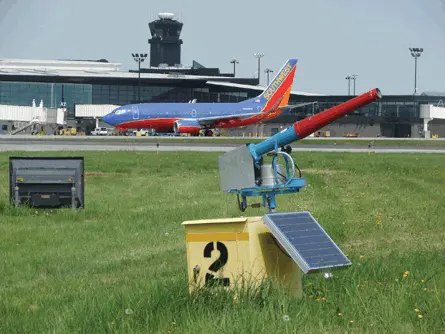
280,86
286,97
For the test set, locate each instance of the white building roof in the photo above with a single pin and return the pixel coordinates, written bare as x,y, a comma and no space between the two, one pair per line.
97,69
66,68
57,65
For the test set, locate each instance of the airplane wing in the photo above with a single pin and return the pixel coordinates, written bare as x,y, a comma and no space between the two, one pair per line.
292,106
214,119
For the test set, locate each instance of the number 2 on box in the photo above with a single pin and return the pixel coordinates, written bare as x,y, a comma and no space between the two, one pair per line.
218,264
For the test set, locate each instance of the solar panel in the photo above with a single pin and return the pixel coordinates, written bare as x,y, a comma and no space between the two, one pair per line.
305,241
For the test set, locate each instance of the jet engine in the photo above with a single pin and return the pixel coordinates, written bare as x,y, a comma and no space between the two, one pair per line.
187,126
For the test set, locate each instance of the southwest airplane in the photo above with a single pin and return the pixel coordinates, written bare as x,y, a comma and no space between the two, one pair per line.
193,117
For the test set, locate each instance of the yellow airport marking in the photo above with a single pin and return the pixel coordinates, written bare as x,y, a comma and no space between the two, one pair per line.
223,236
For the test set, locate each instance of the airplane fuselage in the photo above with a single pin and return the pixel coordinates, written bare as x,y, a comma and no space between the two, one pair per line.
162,116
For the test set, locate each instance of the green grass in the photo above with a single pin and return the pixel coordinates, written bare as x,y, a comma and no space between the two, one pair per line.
125,253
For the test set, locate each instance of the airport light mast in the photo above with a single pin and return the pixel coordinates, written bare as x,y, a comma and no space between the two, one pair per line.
349,84
234,61
139,58
349,78
268,71
353,76
259,56
415,52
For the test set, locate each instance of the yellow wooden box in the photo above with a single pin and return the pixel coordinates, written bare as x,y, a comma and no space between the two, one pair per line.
237,251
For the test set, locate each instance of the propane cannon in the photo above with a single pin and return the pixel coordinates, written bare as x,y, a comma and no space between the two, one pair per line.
243,171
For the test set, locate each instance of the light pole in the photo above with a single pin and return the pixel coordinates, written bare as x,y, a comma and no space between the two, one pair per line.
415,52
349,84
139,58
259,56
268,71
353,76
234,61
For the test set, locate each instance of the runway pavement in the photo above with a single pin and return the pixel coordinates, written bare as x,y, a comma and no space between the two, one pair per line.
198,138
65,144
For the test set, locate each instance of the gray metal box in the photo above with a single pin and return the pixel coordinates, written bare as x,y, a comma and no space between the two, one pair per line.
51,115
47,181
236,169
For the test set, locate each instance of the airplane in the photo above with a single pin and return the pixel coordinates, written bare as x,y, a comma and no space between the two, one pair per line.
193,117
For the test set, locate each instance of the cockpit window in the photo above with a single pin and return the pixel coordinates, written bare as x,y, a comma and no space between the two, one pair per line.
119,111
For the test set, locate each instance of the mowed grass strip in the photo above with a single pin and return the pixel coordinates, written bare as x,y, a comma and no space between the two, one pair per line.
120,264
229,140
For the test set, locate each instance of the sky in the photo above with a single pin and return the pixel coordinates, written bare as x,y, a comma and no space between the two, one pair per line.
330,38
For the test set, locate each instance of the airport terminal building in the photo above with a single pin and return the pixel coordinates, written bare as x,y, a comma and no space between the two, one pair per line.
100,82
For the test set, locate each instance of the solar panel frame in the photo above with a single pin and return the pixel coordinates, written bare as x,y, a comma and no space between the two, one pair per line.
296,254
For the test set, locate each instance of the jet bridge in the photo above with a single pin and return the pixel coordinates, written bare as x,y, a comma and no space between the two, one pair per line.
32,116
429,112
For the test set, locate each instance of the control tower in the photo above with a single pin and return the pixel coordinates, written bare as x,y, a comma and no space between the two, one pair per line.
165,44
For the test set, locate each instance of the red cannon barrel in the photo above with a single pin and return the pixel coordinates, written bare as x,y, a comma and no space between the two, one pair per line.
314,123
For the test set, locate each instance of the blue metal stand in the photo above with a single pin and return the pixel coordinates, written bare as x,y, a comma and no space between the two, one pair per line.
268,193
291,184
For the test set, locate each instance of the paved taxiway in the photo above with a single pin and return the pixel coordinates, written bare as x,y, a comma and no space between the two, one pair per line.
65,144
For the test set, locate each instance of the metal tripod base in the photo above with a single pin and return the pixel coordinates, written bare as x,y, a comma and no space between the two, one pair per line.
268,193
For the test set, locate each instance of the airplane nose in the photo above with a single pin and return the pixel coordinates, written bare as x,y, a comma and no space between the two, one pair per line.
107,119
